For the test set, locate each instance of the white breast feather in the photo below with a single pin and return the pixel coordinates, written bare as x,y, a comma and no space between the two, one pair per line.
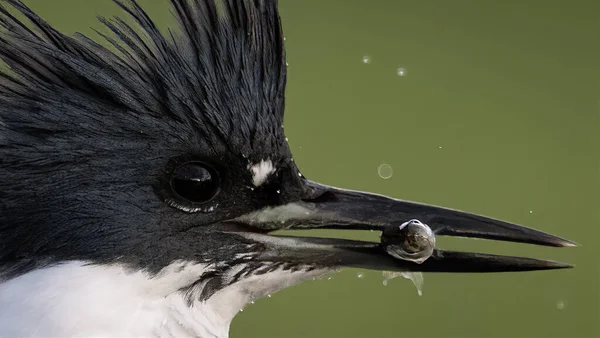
75,299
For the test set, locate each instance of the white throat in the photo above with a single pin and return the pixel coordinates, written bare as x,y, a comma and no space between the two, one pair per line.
76,299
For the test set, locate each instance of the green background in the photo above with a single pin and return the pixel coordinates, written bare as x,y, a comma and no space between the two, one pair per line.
497,113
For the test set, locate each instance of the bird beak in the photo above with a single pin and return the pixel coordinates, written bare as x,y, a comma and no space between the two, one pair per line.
408,234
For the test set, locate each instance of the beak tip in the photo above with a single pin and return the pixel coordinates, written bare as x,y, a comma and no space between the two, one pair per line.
555,241
567,243
558,265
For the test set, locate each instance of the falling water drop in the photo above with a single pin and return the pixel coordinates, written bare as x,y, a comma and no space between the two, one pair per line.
415,277
360,275
269,296
366,59
401,71
560,305
385,171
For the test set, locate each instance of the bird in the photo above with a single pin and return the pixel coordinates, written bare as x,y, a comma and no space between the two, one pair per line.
146,182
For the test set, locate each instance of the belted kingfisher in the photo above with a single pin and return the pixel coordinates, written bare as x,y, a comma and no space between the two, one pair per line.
140,183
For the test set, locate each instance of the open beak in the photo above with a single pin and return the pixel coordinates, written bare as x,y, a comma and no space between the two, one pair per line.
408,234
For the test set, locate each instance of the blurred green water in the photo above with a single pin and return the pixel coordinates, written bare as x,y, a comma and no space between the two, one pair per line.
498,113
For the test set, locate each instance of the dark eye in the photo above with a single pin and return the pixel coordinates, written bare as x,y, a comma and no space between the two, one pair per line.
195,182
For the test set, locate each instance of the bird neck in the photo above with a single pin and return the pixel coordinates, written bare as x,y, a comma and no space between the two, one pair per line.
79,299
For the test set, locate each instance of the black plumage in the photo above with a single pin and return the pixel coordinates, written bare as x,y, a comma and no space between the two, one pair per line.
88,133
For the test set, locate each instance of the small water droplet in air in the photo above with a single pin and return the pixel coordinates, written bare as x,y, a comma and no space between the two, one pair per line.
286,139
401,71
560,305
284,38
366,59
287,64
385,282
269,296
360,275
329,278
440,147
251,302
241,310
307,213
278,191
385,171
531,211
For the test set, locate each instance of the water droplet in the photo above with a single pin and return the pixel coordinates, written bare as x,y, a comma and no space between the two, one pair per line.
531,211
300,174
269,296
415,277
241,310
385,171
251,302
286,139
287,64
440,147
329,278
278,191
560,305
284,38
360,275
401,71
366,59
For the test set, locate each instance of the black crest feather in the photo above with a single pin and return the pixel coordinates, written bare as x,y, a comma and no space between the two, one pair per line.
225,67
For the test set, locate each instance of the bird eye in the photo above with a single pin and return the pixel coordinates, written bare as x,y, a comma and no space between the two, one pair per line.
195,182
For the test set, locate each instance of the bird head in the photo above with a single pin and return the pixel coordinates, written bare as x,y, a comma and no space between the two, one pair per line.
164,153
